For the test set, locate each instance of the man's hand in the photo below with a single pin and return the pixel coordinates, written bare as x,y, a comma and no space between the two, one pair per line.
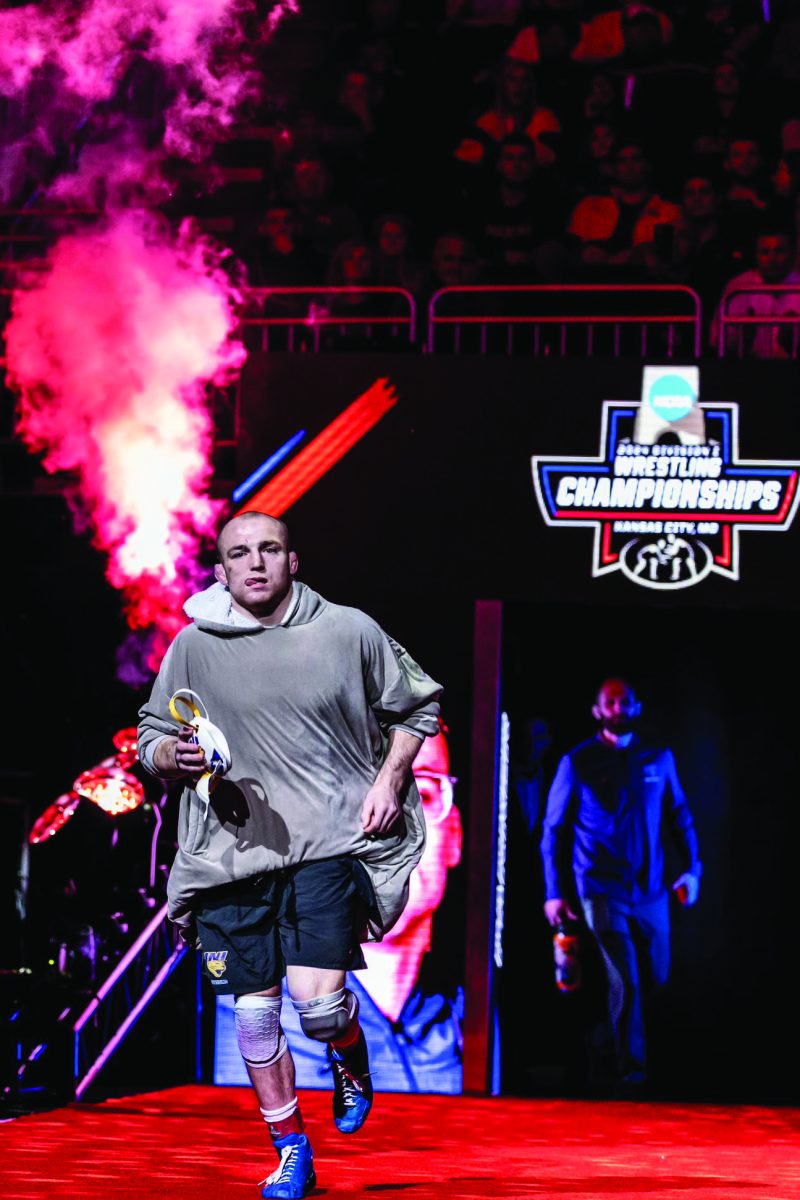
179,756
558,911
380,809
687,889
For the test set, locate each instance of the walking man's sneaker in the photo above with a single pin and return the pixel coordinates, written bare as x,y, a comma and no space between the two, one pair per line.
294,1176
352,1088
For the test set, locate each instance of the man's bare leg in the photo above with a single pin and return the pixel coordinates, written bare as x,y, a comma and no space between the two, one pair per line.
274,1086
271,1069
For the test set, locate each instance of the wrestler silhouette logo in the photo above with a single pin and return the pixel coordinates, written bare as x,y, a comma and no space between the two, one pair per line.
669,561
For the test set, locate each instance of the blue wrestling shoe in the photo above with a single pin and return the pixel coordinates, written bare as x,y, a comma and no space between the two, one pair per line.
352,1088
294,1176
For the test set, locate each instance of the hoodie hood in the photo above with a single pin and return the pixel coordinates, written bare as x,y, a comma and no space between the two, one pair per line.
211,611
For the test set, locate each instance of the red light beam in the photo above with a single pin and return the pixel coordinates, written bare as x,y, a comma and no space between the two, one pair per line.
308,467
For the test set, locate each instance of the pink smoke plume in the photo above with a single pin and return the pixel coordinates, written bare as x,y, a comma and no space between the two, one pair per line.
205,49
111,354
113,346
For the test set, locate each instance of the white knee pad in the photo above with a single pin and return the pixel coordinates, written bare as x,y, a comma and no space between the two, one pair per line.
328,1018
258,1029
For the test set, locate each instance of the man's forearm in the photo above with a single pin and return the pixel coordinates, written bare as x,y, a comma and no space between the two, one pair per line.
403,749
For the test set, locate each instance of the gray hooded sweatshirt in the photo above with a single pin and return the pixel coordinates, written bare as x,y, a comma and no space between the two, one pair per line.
306,707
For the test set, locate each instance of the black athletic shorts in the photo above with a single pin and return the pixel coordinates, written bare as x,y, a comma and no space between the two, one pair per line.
307,915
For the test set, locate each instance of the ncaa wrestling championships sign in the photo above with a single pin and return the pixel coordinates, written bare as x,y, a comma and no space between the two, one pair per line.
668,494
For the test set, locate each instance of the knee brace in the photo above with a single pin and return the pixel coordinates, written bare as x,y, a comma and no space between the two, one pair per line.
328,1018
258,1029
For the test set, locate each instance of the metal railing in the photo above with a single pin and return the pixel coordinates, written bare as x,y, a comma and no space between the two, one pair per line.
122,998
304,316
538,320
774,335
556,320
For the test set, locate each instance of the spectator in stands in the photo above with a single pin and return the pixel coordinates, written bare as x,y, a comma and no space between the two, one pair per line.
454,262
713,30
301,136
352,118
515,110
321,222
746,194
473,35
352,266
521,223
394,263
701,252
601,102
633,35
722,115
747,182
559,19
276,259
774,257
611,228
591,166
548,45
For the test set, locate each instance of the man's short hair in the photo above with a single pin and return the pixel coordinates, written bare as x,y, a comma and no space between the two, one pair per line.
614,679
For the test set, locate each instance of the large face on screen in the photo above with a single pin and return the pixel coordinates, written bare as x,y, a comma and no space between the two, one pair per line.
444,836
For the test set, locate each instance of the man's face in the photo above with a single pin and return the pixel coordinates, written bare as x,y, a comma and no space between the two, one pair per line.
744,158
516,84
357,265
278,226
310,179
255,563
631,167
392,240
773,257
515,164
616,707
699,201
727,81
453,262
601,141
355,89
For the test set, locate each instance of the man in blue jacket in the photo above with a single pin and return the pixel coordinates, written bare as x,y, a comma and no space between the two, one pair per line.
603,854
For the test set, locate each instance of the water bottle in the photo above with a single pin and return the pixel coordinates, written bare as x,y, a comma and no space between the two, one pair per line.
565,953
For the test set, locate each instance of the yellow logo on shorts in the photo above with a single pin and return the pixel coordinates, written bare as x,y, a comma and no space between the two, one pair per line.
215,962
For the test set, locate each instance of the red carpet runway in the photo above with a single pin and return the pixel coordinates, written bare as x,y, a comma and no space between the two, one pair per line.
207,1143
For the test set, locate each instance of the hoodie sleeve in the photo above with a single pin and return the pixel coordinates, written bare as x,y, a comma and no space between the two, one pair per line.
155,721
399,692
